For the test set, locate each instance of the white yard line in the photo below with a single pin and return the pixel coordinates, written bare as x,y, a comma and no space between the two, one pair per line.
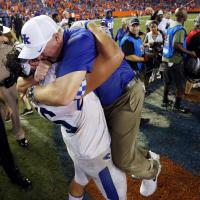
35,131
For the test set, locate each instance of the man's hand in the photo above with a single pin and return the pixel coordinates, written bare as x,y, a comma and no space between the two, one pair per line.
23,84
42,70
7,112
193,54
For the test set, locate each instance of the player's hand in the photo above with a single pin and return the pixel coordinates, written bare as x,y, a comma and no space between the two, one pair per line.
42,70
24,83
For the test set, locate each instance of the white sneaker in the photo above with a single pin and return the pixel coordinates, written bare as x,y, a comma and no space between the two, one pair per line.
154,156
148,187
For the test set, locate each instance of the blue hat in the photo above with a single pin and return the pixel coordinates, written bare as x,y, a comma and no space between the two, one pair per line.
135,20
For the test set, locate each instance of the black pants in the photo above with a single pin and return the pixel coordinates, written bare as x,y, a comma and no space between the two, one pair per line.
6,158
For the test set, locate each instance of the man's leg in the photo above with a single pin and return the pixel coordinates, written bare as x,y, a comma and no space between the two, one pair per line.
11,98
188,87
123,120
110,180
167,79
180,86
7,160
76,191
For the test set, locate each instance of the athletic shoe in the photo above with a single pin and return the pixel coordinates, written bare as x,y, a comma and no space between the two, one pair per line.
26,112
167,103
154,156
148,187
17,178
181,109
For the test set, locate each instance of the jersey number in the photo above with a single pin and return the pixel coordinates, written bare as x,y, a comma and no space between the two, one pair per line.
44,112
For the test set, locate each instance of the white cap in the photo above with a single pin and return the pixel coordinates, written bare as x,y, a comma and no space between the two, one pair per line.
160,12
36,33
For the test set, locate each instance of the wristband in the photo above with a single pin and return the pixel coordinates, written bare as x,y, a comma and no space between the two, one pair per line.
30,94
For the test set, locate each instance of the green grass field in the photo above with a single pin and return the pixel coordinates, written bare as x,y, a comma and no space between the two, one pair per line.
41,162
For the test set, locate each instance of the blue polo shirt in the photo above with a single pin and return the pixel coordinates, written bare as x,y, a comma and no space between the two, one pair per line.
120,34
114,87
78,52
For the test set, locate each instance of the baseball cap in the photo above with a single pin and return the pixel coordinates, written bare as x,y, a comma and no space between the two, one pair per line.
135,20
197,21
36,33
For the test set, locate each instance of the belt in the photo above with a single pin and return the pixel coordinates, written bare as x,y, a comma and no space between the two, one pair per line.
131,83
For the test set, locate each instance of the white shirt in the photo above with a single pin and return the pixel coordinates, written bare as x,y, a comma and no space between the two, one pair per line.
84,130
164,25
151,40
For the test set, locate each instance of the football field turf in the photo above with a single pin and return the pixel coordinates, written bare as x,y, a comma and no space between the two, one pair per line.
176,137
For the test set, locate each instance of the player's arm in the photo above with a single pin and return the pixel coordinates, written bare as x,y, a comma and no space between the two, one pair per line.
179,47
60,92
178,44
128,48
107,61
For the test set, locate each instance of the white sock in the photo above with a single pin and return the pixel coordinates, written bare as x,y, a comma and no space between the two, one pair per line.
74,198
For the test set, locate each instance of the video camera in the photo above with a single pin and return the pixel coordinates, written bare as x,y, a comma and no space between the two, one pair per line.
14,66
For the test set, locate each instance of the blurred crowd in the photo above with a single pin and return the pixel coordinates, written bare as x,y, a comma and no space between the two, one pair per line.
85,9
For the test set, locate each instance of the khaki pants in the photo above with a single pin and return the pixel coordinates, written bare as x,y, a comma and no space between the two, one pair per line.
123,119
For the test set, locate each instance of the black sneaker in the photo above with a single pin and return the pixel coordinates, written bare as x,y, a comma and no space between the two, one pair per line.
144,121
26,112
20,180
167,103
181,109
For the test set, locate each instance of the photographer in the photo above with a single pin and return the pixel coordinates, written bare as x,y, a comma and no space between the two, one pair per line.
153,43
7,80
9,89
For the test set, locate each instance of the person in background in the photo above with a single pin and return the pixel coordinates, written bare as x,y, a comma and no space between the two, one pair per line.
122,31
172,60
193,44
6,112
108,21
28,108
165,22
56,18
153,42
132,46
9,91
65,21
71,20
17,25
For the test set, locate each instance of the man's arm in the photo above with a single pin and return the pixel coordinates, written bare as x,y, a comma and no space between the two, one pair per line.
134,58
64,89
128,48
60,92
179,48
178,43
107,61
